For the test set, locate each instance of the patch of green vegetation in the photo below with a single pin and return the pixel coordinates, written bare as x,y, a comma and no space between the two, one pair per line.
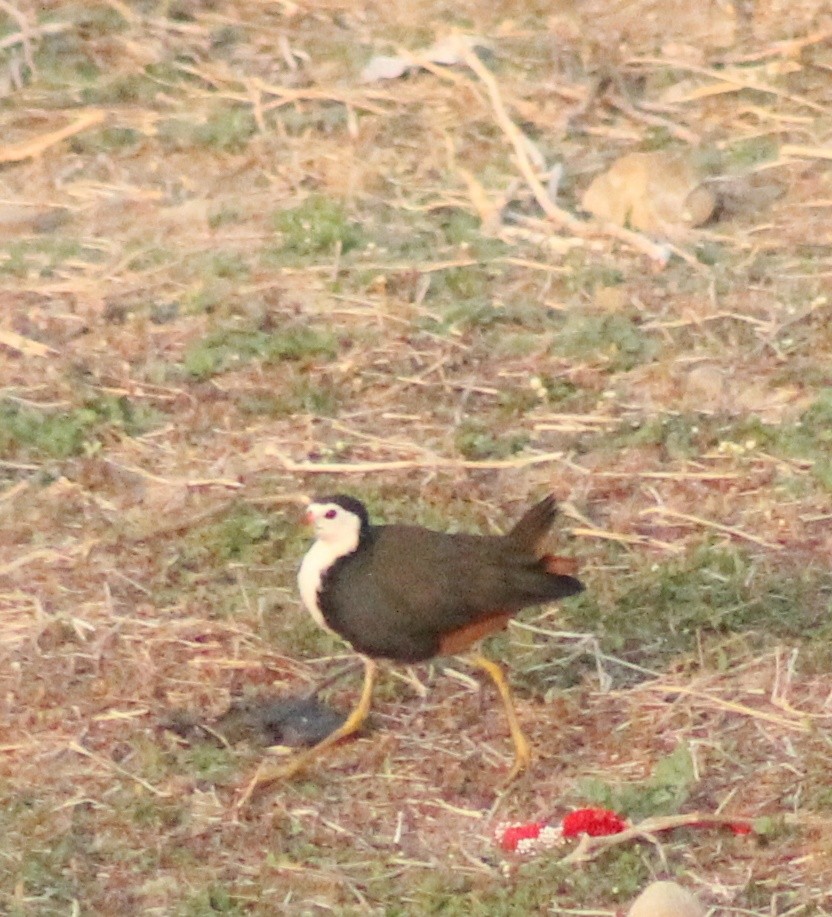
134,88
528,316
216,899
463,299
154,812
614,338
661,610
29,432
681,435
237,536
664,792
15,263
46,874
227,265
64,62
224,215
306,638
518,344
105,140
515,401
313,228
227,129
48,862
40,256
229,347
558,389
92,21
586,275
119,412
211,295
468,283
148,257
471,313
710,252
322,118
744,154
475,439
210,762
810,438
541,884
226,37
304,394
461,228
199,562
684,435
656,138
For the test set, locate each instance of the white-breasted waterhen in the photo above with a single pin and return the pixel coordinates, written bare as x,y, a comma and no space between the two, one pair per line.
408,593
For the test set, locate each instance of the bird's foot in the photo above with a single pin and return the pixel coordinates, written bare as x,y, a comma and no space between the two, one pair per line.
268,774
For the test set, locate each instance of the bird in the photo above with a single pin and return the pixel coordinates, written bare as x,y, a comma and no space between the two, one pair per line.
407,593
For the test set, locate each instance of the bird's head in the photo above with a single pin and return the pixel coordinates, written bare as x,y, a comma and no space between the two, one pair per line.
339,521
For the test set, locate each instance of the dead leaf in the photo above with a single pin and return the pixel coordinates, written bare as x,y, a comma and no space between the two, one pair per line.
657,192
446,52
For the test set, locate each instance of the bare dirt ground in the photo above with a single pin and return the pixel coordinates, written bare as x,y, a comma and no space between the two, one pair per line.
232,272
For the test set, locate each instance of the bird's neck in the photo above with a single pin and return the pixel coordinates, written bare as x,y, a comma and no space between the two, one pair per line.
316,562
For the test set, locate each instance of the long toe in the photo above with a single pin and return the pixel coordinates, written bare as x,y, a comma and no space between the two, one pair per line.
522,760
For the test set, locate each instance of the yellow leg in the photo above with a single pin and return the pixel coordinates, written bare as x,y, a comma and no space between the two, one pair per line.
269,773
522,749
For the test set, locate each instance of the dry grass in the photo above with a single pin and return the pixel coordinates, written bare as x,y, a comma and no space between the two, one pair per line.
232,273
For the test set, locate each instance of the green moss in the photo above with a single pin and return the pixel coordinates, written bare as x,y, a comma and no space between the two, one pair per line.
613,338
41,256
586,275
680,435
154,812
315,227
663,793
29,432
810,438
229,265
539,886
216,899
683,435
461,228
229,347
226,129
304,394
105,140
660,610
746,153
476,439
224,215
134,88
322,118
210,762
235,537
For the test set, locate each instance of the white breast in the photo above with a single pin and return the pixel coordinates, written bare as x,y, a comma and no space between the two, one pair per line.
317,560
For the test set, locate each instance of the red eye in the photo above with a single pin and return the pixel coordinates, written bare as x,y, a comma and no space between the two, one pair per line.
330,514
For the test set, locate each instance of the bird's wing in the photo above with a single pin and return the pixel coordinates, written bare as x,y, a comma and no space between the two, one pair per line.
443,582
409,587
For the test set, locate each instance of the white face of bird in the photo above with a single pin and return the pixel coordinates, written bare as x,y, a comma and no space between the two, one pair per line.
336,526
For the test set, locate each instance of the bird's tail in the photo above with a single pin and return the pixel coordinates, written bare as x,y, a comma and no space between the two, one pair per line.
532,527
